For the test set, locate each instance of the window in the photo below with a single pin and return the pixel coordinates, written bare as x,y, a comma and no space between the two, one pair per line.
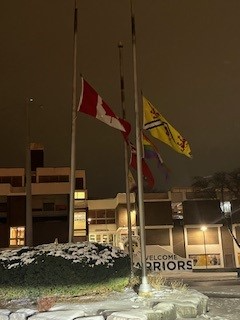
63,178
79,183
15,181
158,236
79,223
226,207
17,236
196,236
102,217
202,260
102,238
48,206
3,207
79,195
61,207
54,178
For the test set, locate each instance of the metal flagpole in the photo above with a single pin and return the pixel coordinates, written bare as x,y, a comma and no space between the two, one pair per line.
144,287
73,136
126,162
29,224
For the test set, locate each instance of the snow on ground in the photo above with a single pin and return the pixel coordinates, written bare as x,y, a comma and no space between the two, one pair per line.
223,289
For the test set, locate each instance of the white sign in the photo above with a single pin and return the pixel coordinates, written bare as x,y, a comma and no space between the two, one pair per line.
159,259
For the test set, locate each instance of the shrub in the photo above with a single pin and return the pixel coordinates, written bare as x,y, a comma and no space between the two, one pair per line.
63,264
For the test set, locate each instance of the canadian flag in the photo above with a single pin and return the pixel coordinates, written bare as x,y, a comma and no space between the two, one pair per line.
92,104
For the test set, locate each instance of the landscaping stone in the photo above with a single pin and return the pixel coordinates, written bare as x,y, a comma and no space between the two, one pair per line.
157,305
4,314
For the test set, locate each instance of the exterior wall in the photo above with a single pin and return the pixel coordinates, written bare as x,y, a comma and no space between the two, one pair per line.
47,229
50,203
10,172
236,232
185,240
213,249
227,247
236,211
158,213
114,232
50,188
202,212
16,211
122,217
4,233
179,241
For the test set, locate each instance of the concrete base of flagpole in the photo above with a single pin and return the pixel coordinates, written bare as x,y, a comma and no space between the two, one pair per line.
145,286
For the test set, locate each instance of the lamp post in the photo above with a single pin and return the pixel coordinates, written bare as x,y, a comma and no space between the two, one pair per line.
204,229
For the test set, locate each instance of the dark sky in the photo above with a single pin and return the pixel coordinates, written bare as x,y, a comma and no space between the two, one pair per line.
188,59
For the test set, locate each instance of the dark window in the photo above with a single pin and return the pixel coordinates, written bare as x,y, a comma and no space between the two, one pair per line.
79,183
61,207
53,178
37,159
100,214
238,233
16,181
36,209
49,206
92,214
110,214
110,221
43,179
157,236
6,180
3,207
63,178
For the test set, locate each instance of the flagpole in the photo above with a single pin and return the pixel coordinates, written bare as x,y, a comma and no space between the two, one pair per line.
144,287
126,162
29,223
73,136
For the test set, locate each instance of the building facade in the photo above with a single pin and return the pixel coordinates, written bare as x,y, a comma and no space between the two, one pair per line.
179,221
50,194
189,225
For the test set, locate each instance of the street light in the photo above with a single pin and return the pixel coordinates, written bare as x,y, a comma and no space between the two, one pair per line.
204,229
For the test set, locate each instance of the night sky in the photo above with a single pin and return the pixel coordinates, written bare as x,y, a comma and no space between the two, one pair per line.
188,59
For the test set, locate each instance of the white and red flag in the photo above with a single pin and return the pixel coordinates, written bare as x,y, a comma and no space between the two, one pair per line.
92,104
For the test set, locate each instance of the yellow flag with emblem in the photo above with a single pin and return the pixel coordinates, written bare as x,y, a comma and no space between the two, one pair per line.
161,129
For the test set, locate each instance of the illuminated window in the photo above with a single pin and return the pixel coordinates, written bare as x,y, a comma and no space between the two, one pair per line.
226,206
201,260
79,195
79,223
17,236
